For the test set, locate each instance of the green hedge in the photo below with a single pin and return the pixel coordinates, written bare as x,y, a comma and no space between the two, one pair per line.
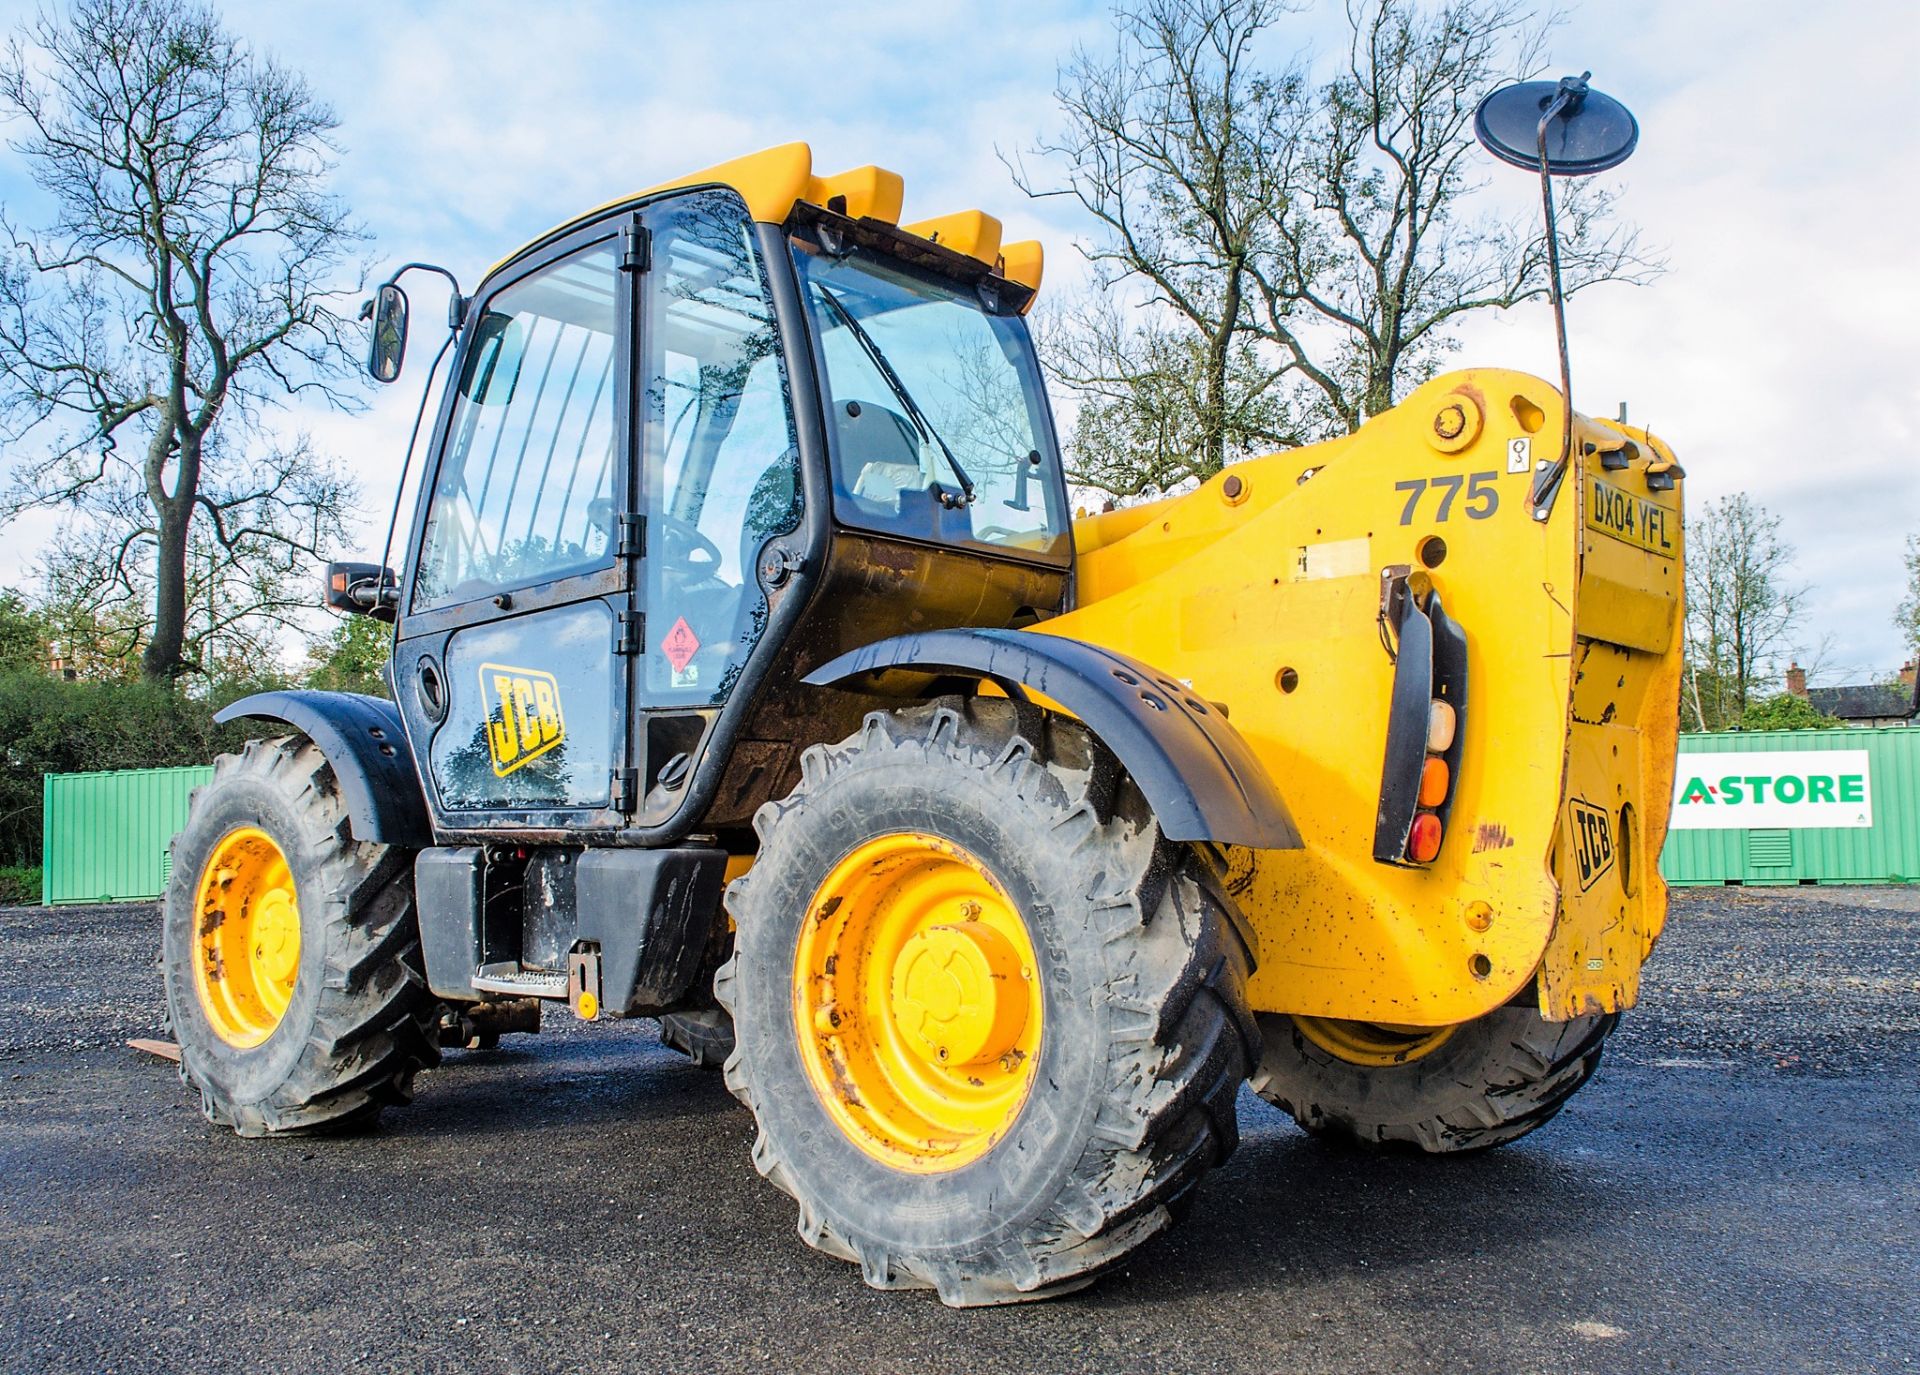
19,885
51,725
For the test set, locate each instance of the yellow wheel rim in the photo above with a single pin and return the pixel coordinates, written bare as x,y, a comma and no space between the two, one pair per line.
247,937
1374,1044
916,999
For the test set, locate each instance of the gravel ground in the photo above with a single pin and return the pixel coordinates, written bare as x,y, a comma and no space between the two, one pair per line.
1738,1189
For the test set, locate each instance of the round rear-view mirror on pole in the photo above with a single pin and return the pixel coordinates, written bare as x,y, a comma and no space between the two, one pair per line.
1561,128
1587,133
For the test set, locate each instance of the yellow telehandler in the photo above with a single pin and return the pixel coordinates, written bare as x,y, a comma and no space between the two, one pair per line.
751,671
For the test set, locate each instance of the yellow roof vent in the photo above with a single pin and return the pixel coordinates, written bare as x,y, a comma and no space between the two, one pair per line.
773,181
1023,262
972,232
870,193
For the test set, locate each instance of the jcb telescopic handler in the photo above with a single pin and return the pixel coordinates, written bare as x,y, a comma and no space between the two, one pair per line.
751,671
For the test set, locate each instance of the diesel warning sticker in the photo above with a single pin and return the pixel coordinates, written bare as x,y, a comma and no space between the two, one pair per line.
524,720
1592,838
1632,519
680,645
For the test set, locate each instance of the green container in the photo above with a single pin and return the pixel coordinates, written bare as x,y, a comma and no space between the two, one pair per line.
1814,789
108,836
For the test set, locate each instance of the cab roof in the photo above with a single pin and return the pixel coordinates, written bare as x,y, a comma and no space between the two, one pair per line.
773,182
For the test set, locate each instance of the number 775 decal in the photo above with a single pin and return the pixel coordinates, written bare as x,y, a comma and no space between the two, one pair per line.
1483,498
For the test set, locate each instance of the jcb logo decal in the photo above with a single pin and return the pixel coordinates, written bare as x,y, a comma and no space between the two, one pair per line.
1592,841
523,715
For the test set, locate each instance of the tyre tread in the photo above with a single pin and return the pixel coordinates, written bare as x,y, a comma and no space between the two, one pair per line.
1179,961
372,1030
1513,1076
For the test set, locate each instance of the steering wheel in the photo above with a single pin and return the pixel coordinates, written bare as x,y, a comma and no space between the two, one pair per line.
685,544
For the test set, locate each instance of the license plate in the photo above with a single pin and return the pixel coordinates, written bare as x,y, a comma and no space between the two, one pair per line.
1632,519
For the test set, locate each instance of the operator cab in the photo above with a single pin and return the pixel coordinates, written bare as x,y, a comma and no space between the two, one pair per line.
694,444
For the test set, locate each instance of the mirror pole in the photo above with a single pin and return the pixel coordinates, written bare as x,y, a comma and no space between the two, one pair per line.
406,463
1545,480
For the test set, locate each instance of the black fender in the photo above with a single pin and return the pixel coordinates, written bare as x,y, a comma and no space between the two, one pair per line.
1200,775
363,740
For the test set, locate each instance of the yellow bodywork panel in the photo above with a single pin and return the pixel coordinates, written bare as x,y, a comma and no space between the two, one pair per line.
773,181
1263,588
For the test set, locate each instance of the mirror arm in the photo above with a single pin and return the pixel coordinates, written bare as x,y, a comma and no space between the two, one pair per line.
406,463
456,304
1547,481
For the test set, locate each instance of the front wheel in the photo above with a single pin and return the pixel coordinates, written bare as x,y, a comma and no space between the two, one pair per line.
990,1022
1446,1090
291,951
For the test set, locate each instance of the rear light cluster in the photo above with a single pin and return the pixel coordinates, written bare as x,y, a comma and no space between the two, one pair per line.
1425,720
1436,781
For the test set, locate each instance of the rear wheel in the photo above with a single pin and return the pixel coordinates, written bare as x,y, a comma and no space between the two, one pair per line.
704,1037
991,1023
1447,1090
291,951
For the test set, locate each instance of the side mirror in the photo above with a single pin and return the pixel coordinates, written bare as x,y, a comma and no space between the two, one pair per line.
389,342
363,589
1574,129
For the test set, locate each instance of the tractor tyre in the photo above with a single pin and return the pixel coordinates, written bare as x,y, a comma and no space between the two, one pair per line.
291,952
704,1037
1452,1091
991,1023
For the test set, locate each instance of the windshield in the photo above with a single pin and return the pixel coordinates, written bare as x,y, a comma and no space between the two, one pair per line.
952,402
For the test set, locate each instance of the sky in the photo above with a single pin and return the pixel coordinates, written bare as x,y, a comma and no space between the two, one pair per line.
1778,171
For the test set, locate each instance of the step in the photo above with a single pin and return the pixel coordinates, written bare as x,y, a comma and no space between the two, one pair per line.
521,983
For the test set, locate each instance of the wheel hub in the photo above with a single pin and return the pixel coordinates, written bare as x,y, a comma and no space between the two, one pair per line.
957,994
247,928
916,1002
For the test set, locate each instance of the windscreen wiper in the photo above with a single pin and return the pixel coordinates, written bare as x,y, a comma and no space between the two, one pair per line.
899,389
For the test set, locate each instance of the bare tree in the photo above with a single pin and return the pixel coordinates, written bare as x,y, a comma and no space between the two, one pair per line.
1740,609
1309,245
1176,143
1906,617
248,574
1155,405
184,284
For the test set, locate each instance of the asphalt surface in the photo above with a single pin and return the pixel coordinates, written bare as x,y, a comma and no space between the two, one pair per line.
1737,1190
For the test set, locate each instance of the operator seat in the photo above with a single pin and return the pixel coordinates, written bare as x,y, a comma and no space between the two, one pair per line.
879,456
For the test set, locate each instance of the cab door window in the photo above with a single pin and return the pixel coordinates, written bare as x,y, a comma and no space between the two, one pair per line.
722,472
525,494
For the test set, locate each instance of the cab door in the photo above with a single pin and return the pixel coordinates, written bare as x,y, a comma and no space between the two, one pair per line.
508,663
720,485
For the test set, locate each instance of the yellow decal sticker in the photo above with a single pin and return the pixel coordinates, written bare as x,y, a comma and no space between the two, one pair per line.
1632,519
523,715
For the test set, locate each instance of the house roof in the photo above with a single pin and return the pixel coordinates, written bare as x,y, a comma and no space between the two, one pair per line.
1864,701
